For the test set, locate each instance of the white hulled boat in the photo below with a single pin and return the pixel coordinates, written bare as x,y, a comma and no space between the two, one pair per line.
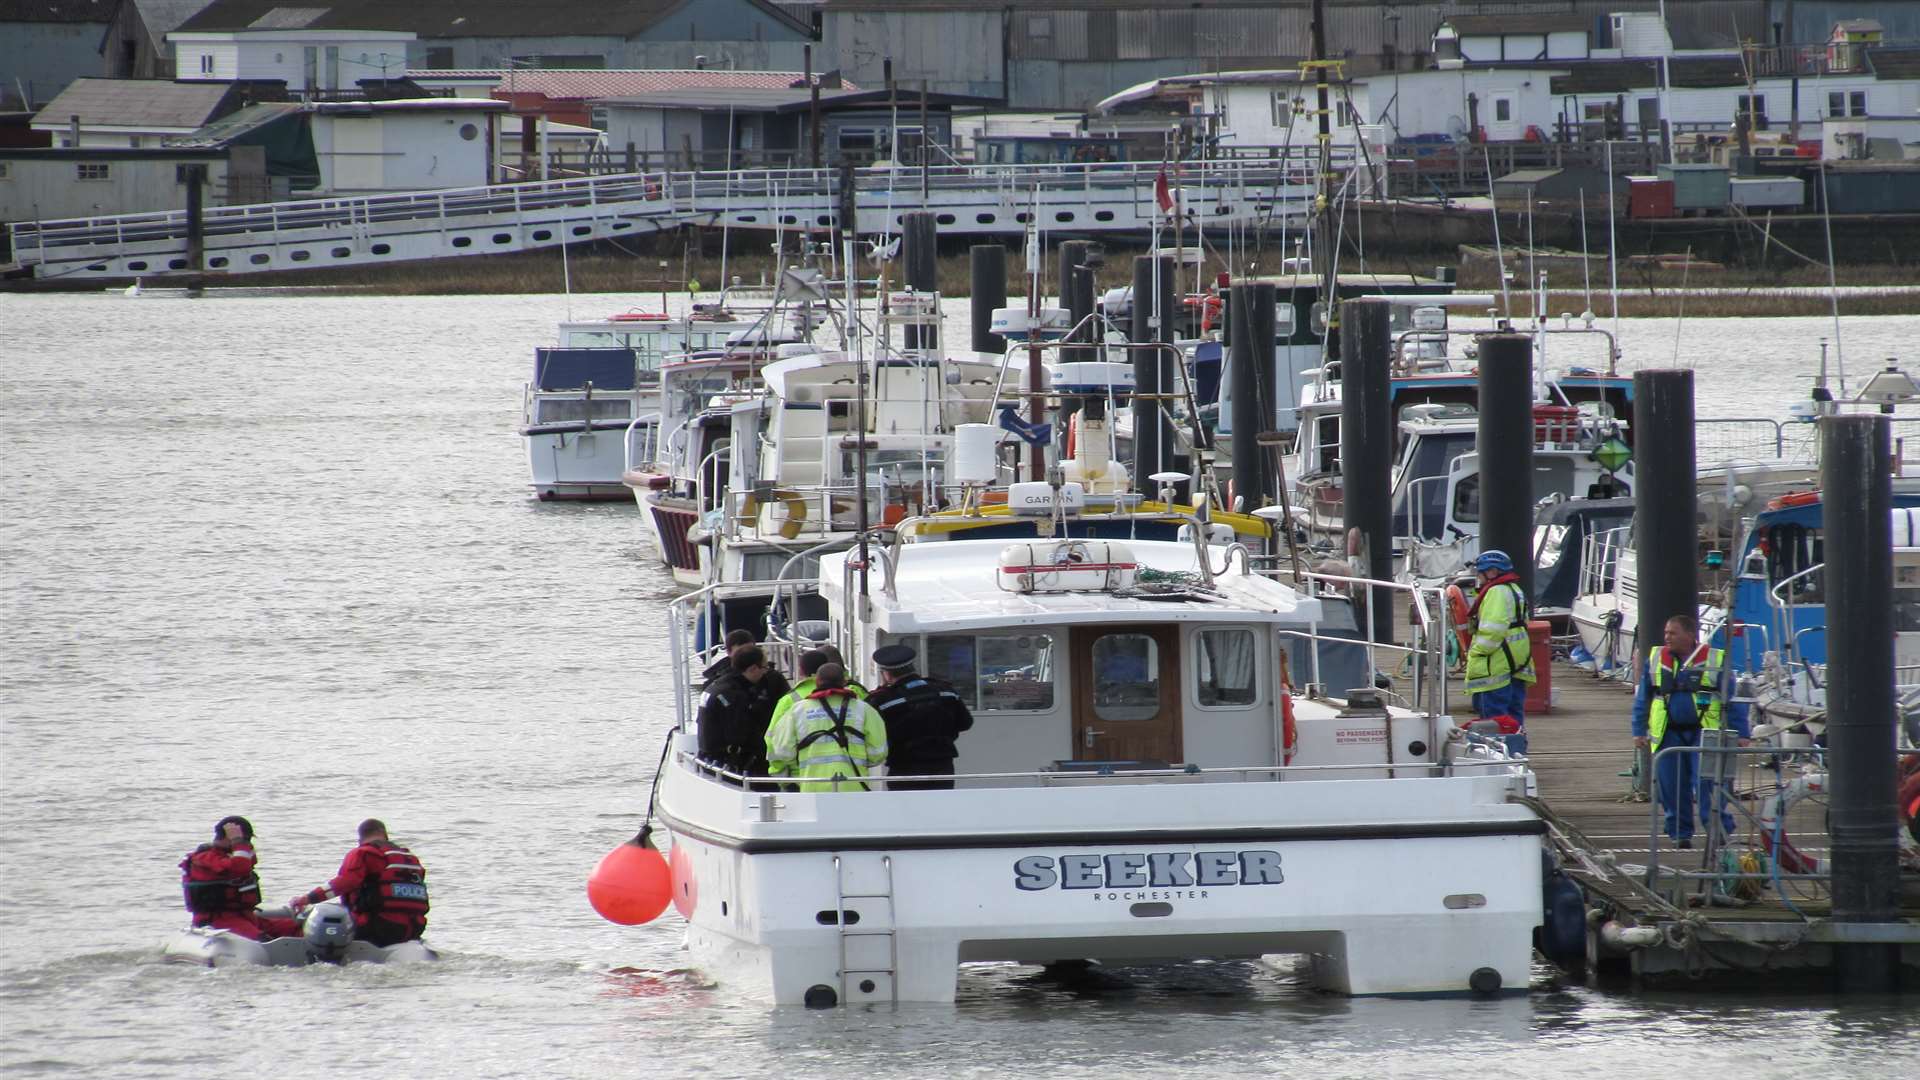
593,404
1138,784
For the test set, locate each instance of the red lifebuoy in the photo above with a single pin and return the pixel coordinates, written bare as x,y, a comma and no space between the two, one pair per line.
1793,498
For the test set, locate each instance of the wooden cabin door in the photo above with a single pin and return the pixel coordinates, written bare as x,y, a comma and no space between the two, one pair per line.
1126,693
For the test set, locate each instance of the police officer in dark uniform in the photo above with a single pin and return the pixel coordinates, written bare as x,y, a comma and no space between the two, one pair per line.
923,717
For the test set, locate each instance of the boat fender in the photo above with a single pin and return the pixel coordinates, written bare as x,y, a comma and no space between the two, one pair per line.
1289,732
1562,936
1462,617
1620,938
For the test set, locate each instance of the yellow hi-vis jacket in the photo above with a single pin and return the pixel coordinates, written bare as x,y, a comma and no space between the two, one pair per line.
828,743
1501,651
1663,673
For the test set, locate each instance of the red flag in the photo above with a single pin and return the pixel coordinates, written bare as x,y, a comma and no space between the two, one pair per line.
1161,194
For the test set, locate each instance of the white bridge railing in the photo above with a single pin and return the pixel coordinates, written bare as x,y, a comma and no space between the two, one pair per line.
348,229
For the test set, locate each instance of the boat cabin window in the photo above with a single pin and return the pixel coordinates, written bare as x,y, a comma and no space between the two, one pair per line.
998,673
1550,476
1791,548
687,395
1466,499
839,414
1226,669
557,410
1430,456
1126,677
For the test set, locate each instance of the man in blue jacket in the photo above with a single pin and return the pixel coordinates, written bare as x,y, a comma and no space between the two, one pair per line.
1682,693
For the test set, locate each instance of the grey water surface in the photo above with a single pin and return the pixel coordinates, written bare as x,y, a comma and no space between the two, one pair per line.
274,555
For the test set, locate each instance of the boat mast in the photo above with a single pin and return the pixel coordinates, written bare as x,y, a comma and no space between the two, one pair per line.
1323,178
849,236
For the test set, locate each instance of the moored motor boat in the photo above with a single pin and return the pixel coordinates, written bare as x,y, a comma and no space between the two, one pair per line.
326,938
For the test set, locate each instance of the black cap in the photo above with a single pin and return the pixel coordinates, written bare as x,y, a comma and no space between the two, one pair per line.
220,827
893,657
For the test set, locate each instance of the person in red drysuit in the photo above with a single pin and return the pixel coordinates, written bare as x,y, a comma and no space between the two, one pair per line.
382,884
222,889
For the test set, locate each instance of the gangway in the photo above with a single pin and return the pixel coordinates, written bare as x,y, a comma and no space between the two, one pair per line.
995,200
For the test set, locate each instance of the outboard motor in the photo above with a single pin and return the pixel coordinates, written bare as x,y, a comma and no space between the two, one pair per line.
328,931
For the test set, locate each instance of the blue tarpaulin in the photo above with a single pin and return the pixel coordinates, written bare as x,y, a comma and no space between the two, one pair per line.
573,369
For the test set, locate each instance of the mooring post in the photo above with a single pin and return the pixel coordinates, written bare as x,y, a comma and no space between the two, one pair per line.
1366,451
196,231
989,269
920,255
1261,330
1243,386
1076,295
1664,522
1151,277
1857,490
1505,448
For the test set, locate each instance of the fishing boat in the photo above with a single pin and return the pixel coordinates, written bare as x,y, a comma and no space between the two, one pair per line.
592,406
1154,771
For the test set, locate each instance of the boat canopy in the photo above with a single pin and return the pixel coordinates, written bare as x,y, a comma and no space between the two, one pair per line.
574,369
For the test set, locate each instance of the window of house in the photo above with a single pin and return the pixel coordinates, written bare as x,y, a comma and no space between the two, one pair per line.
1857,103
1282,109
1754,106
1347,117
6,170
1226,672
1502,110
206,63
93,170
997,673
1837,103
439,57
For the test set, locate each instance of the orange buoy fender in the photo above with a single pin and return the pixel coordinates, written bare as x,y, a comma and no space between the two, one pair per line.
1289,734
684,894
1462,617
632,885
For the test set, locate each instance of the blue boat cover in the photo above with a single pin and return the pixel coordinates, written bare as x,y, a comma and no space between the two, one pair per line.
573,369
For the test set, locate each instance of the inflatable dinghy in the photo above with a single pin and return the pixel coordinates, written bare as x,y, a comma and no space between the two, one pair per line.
326,938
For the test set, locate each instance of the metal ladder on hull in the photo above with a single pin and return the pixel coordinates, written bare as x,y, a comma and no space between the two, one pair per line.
868,916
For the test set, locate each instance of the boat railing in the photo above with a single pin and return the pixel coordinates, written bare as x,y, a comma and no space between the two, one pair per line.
1600,559
653,420
1781,600
1720,439
1117,773
1430,623
1771,818
1416,508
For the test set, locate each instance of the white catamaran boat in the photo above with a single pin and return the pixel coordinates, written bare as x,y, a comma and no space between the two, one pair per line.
1139,783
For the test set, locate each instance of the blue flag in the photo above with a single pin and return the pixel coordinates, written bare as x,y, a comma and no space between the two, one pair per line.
1037,434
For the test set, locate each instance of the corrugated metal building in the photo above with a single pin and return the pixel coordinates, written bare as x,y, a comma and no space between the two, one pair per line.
745,34
1067,54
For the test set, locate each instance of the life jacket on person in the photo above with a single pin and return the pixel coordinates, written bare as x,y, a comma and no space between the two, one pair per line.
830,752
929,715
1671,676
213,889
398,891
1501,650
